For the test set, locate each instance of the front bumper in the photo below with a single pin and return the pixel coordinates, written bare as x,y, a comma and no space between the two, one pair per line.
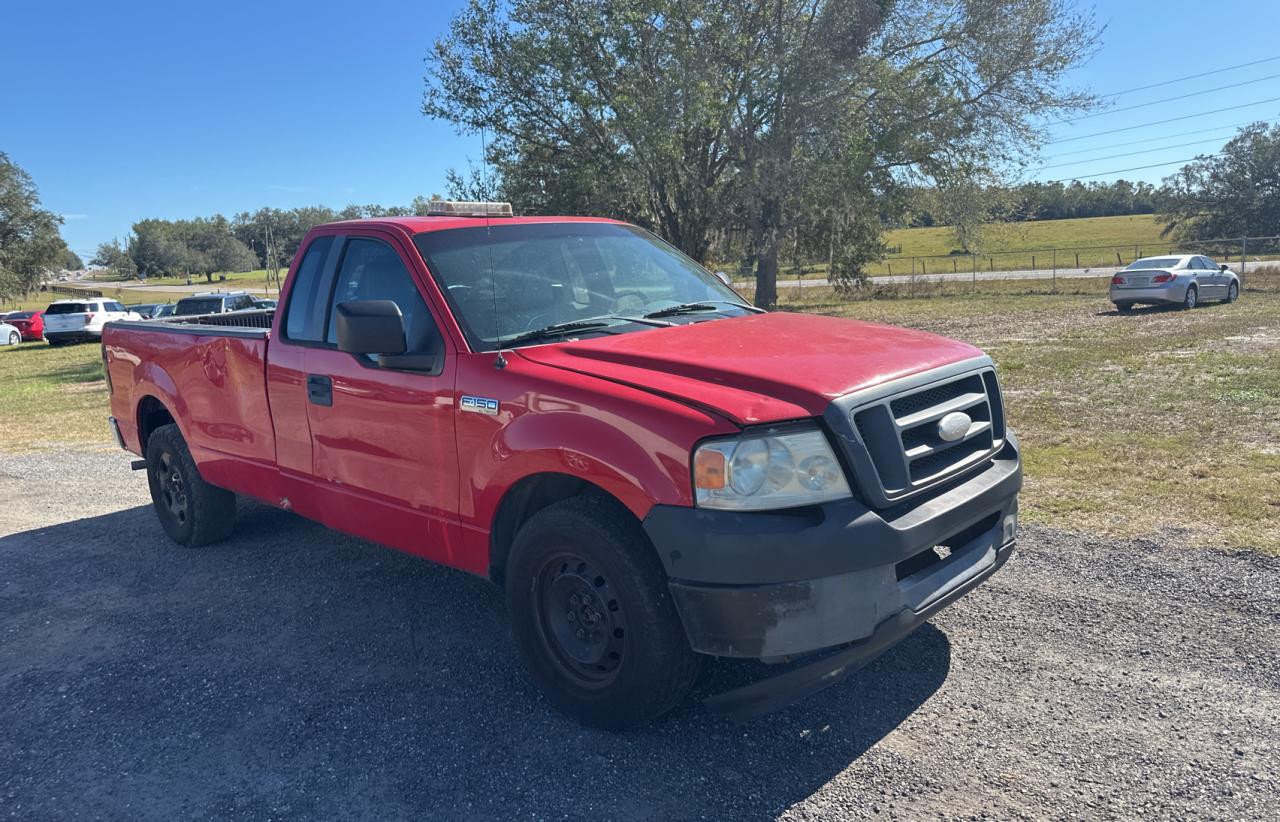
773,585
1173,292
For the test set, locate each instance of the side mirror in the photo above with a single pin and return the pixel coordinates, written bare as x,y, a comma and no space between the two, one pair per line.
1223,267
370,327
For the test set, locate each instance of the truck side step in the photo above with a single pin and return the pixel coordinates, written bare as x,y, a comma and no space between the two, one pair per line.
138,465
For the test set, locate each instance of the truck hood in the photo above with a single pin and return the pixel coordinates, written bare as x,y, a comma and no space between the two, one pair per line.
760,368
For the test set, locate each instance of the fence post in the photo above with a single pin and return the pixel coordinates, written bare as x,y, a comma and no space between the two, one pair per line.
1055,271
1033,262
1244,255
975,271
953,265
1077,259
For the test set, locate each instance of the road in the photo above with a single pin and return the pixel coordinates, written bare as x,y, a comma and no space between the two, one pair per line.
970,276
292,673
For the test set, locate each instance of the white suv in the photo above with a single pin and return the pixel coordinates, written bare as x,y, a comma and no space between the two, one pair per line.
77,320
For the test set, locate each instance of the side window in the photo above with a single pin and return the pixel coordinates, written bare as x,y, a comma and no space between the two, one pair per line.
308,298
372,270
116,307
242,302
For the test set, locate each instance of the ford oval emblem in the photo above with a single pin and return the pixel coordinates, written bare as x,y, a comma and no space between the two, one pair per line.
954,426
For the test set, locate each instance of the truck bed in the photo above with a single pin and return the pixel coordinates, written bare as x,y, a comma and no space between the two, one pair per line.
208,372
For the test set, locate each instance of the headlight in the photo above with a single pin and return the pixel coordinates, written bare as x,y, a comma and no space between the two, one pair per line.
766,471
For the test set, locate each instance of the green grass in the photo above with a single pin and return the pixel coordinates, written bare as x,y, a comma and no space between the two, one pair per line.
1088,242
53,397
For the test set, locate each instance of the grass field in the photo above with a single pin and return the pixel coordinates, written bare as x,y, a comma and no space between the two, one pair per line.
1090,242
1157,422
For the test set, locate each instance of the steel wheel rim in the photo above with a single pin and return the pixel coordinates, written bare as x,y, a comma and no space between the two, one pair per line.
1191,298
14,339
580,621
1232,293
173,490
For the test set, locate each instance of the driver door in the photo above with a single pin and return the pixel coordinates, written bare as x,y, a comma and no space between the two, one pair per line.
383,449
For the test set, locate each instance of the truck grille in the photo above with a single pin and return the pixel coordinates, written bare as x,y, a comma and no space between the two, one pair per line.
902,440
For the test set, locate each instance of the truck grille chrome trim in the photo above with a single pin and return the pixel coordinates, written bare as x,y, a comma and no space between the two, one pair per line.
912,434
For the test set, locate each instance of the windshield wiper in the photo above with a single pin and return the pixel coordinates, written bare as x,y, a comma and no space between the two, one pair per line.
592,324
701,305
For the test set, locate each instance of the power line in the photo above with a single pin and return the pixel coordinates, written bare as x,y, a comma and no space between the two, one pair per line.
1147,140
1134,168
1192,77
1161,122
1166,100
1131,153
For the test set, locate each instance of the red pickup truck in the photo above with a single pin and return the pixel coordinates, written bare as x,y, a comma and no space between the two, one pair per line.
655,470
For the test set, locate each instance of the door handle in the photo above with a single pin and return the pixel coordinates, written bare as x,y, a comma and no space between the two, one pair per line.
319,390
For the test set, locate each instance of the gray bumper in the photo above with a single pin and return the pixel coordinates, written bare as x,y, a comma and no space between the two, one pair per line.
1174,292
772,585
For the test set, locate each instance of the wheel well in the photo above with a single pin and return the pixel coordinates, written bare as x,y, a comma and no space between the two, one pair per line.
524,499
151,415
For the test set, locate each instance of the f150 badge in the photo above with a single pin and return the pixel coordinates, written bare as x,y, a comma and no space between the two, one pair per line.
480,405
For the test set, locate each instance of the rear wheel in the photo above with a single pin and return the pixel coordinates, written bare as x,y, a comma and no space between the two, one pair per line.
1192,297
1124,308
592,615
191,511
14,338
1233,293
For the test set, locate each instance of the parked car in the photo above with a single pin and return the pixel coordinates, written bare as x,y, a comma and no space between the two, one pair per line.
30,324
214,302
79,320
144,310
259,302
9,334
654,470
1175,279
165,310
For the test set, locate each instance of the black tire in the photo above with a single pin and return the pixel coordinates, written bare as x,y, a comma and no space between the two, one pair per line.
1233,292
55,343
1124,308
593,618
1191,299
191,511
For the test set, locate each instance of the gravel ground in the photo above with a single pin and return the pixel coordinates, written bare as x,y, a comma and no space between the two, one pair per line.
294,673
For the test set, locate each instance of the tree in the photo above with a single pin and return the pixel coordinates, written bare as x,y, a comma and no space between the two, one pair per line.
698,116
113,257
1233,194
30,243
71,261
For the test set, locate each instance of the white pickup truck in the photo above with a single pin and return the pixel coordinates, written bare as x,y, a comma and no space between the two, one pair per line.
79,320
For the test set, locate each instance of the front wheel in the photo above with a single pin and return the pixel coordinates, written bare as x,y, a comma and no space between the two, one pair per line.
1233,293
14,338
593,618
191,511
1124,308
1192,296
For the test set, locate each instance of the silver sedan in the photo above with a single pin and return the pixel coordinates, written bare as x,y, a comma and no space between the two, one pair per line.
1178,279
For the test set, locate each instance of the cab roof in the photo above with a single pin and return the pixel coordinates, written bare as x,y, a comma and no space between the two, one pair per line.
418,225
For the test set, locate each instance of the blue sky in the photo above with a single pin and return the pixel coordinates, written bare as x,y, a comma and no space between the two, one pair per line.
175,110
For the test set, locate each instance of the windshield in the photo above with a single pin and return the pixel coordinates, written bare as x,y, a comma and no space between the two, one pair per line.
68,308
207,305
164,310
533,275
1154,262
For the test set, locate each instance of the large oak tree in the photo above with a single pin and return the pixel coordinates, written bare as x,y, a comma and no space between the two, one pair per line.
692,116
